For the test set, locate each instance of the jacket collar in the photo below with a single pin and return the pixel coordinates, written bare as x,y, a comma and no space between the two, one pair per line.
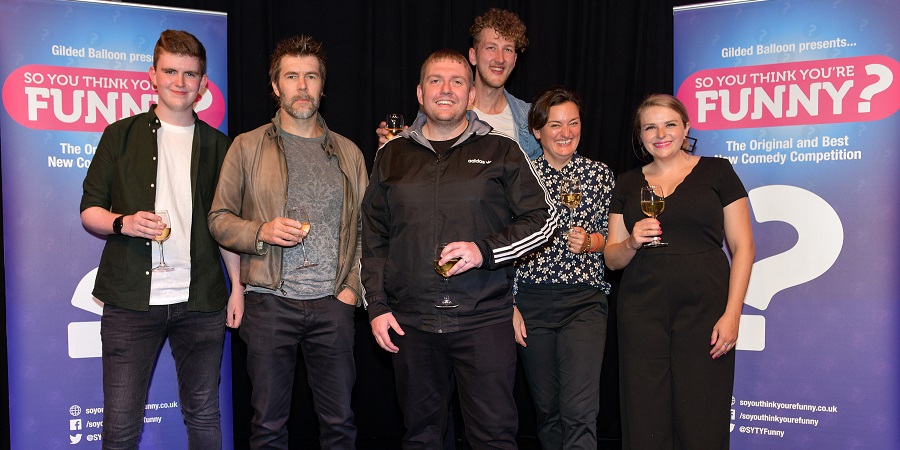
328,144
155,122
475,127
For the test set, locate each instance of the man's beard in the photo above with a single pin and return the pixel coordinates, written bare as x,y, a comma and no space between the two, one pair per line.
300,113
487,82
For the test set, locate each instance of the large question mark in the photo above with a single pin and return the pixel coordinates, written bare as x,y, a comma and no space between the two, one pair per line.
819,242
84,337
885,77
204,101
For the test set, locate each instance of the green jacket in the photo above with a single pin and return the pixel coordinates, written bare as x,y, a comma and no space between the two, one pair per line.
122,179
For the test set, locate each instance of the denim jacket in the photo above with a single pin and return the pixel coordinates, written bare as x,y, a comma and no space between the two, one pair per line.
519,111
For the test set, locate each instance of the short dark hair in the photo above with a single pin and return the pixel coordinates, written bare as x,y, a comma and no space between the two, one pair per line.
296,46
182,43
445,55
507,24
540,109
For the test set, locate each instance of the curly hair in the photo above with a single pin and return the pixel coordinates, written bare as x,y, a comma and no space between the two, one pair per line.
506,23
296,46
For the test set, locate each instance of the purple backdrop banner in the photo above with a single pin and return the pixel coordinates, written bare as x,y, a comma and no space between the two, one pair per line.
802,98
68,69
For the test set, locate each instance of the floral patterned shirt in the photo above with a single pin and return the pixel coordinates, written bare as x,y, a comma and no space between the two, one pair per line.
553,263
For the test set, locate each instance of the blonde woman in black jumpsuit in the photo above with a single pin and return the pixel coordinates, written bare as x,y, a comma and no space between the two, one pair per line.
679,306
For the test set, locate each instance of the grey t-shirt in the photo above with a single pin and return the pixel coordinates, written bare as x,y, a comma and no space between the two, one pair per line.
316,184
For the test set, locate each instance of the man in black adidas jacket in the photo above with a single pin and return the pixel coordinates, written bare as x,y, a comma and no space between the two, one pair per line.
449,178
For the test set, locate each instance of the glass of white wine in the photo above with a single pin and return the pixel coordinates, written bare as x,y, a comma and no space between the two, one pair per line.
393,124
442,269
653,201
570,195
300,215
164,219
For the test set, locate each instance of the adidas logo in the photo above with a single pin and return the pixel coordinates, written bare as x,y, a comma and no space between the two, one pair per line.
478,161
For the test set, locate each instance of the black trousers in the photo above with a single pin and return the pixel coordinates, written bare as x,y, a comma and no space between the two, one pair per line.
673,394
482,360
563,356
275,329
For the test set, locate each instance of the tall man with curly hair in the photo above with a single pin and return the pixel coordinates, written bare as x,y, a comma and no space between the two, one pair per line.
295,161
498,36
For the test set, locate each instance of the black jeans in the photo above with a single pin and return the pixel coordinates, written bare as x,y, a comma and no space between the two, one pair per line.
566,327
131,343
483,361
275,329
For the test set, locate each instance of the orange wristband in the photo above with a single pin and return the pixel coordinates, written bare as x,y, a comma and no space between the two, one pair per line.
594,249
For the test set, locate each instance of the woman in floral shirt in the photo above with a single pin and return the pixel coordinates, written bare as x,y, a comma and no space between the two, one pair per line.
560,318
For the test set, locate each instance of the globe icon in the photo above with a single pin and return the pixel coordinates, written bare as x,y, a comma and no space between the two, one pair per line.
75,410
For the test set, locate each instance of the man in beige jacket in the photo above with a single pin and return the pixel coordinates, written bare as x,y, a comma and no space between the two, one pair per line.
302,279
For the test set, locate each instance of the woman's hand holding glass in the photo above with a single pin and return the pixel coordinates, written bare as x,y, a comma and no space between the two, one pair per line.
576,240
644,231
653,202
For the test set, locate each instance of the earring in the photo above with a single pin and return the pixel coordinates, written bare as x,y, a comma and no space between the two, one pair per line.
689,144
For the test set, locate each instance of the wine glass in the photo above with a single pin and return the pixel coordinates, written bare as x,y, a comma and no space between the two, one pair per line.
164,219
653,201
300,215
394,124
442,270
570,195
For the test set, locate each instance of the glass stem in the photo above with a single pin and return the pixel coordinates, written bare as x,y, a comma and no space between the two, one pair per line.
303,249
162,255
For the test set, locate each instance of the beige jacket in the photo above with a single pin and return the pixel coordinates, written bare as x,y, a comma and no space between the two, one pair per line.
252,190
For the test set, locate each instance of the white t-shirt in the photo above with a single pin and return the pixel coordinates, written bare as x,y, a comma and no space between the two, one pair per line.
502,122
173,194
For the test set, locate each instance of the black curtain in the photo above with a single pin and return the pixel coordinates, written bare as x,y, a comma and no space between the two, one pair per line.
611,53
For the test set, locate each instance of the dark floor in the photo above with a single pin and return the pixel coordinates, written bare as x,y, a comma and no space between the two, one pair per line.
525,443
